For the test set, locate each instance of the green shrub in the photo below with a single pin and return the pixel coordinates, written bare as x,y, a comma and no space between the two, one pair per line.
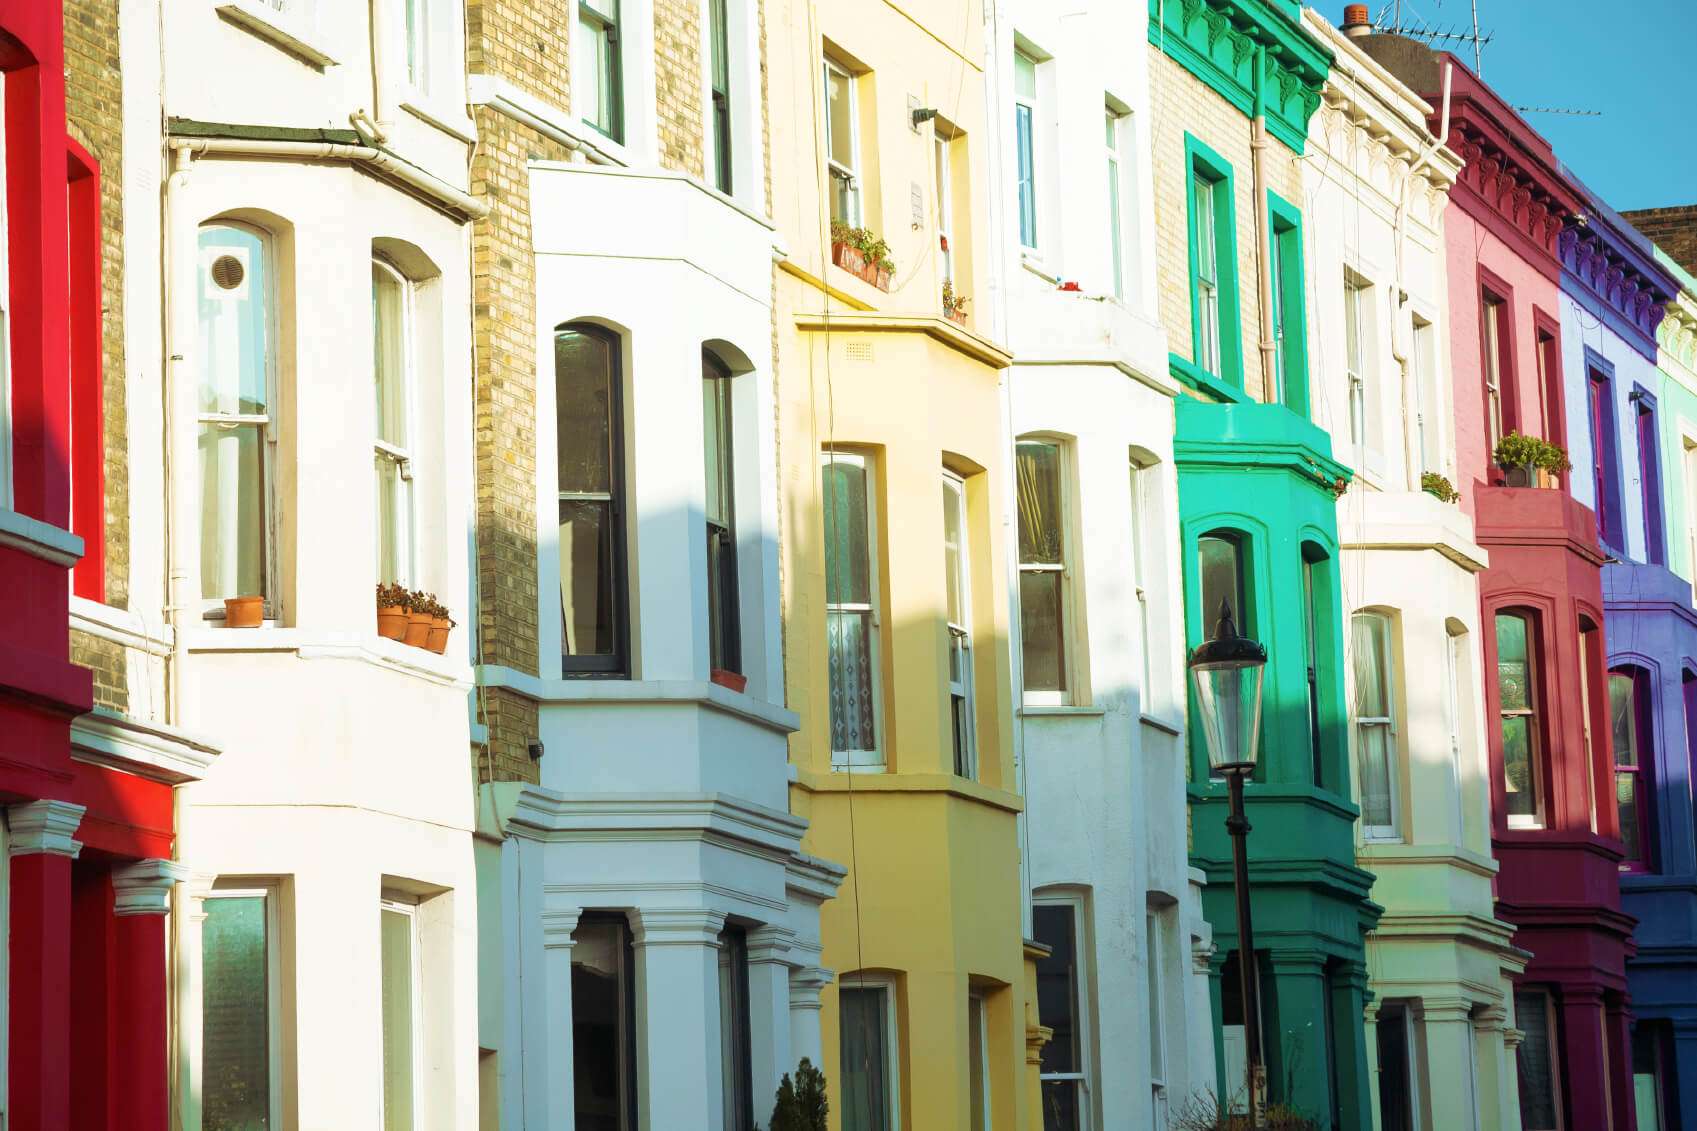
1519,450
1439,487
800,1104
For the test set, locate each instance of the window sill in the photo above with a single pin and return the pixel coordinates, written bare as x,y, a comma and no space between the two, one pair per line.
605,692
447,670
1167,725
39,539
1193,375
450,120
279,32
1060,710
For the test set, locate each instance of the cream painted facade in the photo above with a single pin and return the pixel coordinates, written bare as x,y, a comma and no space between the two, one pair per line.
1439,963
1103,767
344,787
903,410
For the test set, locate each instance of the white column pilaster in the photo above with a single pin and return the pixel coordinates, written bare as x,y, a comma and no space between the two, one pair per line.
191,907
768,1014
552,1063
677,986
1452,1055
805,1039
144,888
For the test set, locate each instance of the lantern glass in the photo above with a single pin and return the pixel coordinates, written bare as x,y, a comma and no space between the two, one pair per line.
1228,699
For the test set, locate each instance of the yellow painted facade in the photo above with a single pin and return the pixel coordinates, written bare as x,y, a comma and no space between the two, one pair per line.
932,906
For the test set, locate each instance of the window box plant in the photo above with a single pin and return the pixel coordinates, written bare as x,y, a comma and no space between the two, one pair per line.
419,620
954,305
860,252
244,612
1528,461
440,623
1439,487
393,604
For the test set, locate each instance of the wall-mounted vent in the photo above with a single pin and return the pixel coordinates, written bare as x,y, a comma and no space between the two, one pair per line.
228,272
858,351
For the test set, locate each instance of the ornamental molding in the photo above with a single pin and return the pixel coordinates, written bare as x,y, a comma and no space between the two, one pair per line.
1224,42
1605,256
44,828
144,888
1517,194
1677,334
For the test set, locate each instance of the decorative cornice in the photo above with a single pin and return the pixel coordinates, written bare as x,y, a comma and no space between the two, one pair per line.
1606,260
558,927
144,888
770,943
45,828
805,984
1223,42
679,926
145,749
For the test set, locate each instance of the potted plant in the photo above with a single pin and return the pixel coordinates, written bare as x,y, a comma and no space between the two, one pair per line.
393,604
440,624
1206,1113
418,619
861,252
1439,487
954,305
1528,461
244,612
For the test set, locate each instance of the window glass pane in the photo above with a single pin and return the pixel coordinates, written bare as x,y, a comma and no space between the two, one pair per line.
1027,174
839,116
1024,75
1041,629
1370,646
1513,675
1372,710
1220,564
235,1014
737,1083
1517,765
716,441
979,1115
583,389
232,511
1623,717
235,319
1039,468
849,648
1536,1069
1057,985
1206,261
1626,804
388,320
398,1037
952,520
1647,1076
586,577
417,38
1155,982
865,1030
601,1034
848,578
390,488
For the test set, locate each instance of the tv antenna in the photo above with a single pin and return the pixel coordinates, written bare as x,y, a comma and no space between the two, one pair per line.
1438,35
1560,110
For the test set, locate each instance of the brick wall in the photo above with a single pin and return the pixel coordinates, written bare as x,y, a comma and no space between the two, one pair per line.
1673,229
93,105
1182,104
677,84
523,41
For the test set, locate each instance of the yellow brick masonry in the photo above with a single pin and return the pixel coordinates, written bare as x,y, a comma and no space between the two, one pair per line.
1183,104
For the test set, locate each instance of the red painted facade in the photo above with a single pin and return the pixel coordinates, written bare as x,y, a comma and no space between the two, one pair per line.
1558,881
87,882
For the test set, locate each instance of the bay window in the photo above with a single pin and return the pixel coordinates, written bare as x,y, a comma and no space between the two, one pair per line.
237,422
1061,1003
724,634
1025,145
603,1024
597,73
851,609
1519,691
1375,728
866,1010
241,1047
1045,599
842,144
392,364
402,1048
1629,721
589,395
957,586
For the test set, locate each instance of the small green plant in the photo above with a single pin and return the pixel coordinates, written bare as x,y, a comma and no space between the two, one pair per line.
952,303
427,604
1519,450
1204,1113
801,1104
1439,487
389,595
871,246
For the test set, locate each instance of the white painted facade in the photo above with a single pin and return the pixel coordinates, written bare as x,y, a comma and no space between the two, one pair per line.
345,782
1375,189
663,801
1103,769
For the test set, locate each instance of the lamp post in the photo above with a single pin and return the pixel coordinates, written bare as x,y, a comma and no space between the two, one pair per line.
1226,670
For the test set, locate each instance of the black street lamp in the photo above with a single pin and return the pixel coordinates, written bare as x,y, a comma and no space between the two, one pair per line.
1227,671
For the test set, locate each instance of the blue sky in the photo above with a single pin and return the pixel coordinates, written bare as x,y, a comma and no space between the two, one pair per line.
1633,60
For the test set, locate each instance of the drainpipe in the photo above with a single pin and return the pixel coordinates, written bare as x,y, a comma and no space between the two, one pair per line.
179,384
1264,266
1411,459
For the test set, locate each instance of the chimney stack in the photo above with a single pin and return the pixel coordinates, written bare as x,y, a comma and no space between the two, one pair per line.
1356,22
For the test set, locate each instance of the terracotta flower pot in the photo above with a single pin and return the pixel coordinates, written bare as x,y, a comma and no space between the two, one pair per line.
418,629
958,317
881,279
392,621
438,639
848,258
736,681
244,612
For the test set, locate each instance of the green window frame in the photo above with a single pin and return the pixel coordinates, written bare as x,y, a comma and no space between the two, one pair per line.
1212,227
1290,314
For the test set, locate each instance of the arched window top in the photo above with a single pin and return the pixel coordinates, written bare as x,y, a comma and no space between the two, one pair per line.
236,333
405,257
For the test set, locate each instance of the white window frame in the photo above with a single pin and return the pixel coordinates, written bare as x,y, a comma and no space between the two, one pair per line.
1555,1056
1154,928
960,633
1359,724
1116,199
886,986
405,905
1083,997
1142,476
415,44
616,110
1358,360
978,1019
1688,468
833,167
942,151
1073,692
1454,663
873,760
1202,190
719,154
270,891
1423,336
1491,310
1029,103
405,500
213,607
